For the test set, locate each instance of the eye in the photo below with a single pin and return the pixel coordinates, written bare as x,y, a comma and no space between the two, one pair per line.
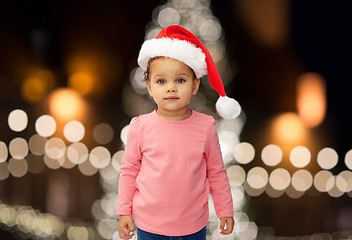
180,80
160,81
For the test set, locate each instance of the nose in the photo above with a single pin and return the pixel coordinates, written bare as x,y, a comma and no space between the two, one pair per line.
171,87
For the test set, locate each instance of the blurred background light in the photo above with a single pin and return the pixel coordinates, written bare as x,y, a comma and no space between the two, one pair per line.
257,177
117,159
3,152
288,128
300,156
55,148
4,171
18,120
280,179
210,30
45,125
86,168
77,152
244,153
37,84
271,155
81,82
344,181
35,163
37,144
302,180
18,148
99,157
311,98
324,181
66,104
18,167
327,158
228,140
74,131
53,163
103,133
168,16
236,175
348,159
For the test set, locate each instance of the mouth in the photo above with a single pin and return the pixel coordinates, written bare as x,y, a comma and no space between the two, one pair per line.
171,98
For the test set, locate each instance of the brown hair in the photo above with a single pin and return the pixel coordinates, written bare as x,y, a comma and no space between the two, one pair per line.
147,72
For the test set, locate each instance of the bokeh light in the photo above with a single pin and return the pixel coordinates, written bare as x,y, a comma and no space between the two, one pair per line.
74,131
18,167
45,126
257,177
327,158
344,181
280,179
302,180
228,140
3,152
77,233
288,128
55,148
66,104
244,153
210,30
77,152
4,171
123,134
311,98
324,181
271,155
37,144
117,159
348,159
168,16
300,156
37,84
87,168
18,148
103,133
99,157
18,120
35,163
82,82
53,163
236,175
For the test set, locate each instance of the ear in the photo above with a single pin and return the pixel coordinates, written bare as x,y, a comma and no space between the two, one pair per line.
149,87
196,83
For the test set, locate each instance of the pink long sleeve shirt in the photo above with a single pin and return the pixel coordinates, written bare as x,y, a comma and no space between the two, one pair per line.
169,169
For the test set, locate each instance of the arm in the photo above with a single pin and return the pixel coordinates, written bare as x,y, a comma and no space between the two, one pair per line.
130,168
218,181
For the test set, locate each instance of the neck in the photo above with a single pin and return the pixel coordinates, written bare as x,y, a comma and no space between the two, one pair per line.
174,115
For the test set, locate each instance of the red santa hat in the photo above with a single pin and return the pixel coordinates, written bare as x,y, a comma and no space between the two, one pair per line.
178,43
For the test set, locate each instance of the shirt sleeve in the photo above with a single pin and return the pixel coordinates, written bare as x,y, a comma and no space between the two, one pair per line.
218,180
130,168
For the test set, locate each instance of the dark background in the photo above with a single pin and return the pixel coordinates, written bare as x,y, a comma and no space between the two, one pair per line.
318,40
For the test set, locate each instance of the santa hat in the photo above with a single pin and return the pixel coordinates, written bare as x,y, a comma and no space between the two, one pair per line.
178,43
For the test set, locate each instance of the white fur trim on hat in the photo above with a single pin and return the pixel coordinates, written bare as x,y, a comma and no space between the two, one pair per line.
228,108
177,49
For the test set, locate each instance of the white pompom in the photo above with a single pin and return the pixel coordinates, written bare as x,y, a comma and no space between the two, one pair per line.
227,108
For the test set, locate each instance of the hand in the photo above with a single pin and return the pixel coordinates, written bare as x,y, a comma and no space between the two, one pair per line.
125,227
229,223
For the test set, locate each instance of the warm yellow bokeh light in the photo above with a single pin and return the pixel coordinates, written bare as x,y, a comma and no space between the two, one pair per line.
311,98
66,104
82,82
36,85
288,128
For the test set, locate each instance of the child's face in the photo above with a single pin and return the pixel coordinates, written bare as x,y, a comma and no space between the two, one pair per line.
171,84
